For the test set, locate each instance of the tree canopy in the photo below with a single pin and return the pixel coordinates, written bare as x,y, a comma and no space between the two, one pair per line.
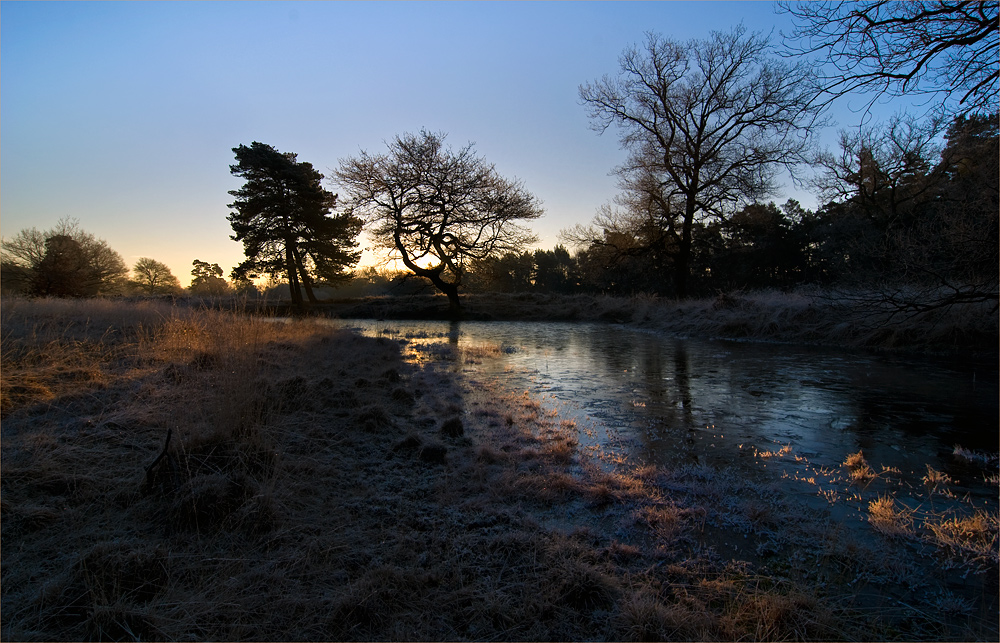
154,278
912,218
282,214
437,209
207,279
64,261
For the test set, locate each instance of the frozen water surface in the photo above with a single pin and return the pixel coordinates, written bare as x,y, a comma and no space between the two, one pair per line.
668,400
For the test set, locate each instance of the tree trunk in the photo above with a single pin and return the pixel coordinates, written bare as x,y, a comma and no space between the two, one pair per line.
309,291
434,275
454,304
306,281
682,266
293,279
451,291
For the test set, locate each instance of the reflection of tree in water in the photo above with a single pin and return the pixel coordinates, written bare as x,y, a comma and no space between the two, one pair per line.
667,378
669,384
661,383
681,406
919,408
642,387
682,376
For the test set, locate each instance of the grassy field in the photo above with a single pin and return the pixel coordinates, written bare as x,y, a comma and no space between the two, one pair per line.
179,474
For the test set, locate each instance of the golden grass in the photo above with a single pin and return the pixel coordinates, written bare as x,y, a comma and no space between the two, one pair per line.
856,461
887,519
936,482
859,472
972,539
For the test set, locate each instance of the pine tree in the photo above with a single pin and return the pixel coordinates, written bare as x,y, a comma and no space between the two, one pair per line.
283,217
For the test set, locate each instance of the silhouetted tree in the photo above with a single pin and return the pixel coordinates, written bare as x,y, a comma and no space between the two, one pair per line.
759,247
945,48
555,271
64,261
510,272
437,209
626,249
641,229
951,250
913,223
154,278
63,270
283,216
970,199
708,124
244,287
883,169
207,279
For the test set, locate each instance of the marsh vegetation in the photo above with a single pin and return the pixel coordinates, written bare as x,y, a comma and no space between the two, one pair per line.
319,484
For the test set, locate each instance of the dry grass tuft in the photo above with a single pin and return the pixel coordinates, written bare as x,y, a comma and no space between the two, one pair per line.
887,520
773,616
859,472
665,520
972,540
935,480
453,428
582,586
856,461
373,419
645,617
976,457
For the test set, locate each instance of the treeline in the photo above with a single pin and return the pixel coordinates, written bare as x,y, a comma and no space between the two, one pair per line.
903,215
901,212
66,261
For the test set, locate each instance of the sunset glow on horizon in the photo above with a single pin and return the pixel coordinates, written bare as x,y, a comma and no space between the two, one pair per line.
124,115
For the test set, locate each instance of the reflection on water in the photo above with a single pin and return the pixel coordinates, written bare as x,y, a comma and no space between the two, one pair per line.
664,401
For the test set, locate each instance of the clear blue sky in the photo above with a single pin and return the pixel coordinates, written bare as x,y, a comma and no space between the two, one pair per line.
124,115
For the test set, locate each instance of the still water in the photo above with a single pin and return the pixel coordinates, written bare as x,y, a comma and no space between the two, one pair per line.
662,400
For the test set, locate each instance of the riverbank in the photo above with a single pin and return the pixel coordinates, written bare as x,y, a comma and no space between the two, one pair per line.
817,318
181,474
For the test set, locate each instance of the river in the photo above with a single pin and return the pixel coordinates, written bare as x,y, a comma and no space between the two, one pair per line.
667,400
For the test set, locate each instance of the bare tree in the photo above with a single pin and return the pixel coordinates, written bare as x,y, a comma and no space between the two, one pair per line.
883,169
631,239
708,123
941,48
437,209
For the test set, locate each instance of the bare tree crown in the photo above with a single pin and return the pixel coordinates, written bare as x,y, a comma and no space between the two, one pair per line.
941,48
708,123
437,208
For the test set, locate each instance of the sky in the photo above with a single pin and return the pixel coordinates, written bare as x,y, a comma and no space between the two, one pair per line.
123,115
